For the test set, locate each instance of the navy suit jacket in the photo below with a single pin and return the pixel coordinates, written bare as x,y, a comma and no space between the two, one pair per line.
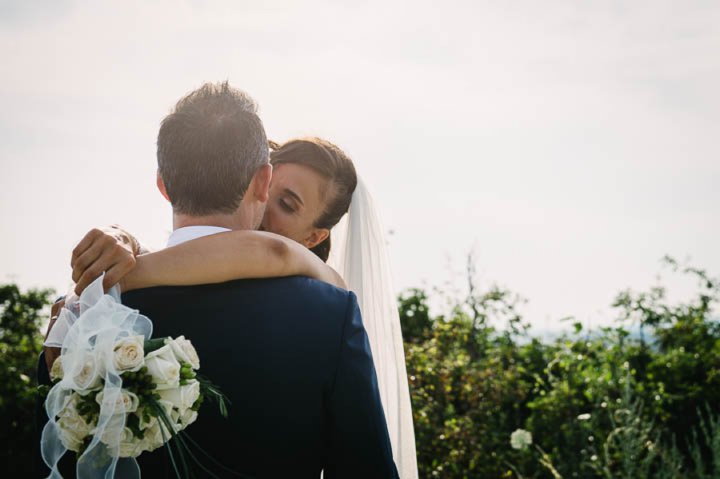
293,357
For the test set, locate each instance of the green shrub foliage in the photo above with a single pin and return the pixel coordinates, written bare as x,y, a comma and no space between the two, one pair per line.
21,315
638,399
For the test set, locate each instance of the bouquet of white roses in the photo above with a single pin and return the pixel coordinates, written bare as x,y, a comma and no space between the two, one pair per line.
160,394
117,393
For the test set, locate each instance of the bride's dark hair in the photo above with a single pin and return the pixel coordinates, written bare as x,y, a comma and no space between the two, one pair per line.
332,163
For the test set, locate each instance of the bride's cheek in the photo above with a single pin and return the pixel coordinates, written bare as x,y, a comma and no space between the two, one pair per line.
270,221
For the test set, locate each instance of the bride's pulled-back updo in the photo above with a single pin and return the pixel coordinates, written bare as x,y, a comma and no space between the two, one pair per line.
330,162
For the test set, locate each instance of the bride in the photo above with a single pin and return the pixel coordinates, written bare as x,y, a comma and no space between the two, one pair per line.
314,184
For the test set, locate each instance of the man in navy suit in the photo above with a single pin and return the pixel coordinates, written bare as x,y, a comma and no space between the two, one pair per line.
291,354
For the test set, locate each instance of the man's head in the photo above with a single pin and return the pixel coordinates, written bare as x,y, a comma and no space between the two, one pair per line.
212,157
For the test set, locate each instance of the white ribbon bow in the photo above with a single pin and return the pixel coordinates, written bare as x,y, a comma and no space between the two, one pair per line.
87,340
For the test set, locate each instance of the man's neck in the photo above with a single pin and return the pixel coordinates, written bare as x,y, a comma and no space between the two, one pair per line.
231,221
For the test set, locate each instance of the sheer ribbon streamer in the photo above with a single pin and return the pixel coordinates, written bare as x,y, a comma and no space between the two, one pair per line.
359,254
87,330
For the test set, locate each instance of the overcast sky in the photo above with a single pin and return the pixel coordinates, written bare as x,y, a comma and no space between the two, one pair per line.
570,144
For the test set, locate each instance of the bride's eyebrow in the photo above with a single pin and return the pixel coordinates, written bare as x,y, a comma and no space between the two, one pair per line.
290,192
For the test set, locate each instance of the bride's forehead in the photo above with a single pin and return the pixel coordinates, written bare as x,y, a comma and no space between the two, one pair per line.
300,178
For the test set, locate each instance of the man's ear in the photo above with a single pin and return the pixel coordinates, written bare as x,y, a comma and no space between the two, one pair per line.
161,186
317,236
260,184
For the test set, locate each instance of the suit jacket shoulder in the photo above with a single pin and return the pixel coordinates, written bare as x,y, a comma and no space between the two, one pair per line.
276,348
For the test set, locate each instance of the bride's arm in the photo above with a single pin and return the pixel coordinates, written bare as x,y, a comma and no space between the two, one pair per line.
226,256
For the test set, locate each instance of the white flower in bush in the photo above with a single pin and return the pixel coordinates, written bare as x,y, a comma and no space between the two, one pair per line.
520,439
56,372
73,427
183,397
584,417
125,402
185,351
164,368
129,354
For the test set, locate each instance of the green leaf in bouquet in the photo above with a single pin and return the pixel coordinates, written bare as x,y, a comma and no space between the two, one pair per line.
179,443
151,345
139,382
88,408
186,437
133,423
162,416
187,373
214,394
83,447
198,402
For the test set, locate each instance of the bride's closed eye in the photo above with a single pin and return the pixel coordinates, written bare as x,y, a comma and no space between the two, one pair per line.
290,201
286,206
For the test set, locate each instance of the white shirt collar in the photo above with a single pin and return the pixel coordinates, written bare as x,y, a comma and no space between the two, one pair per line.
188,233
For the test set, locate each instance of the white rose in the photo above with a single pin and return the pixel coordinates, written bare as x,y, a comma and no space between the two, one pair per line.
182,397
155,436
129,354
73,428
188,418
184,351
88,377
149,423
130,446
182,420
164,368
165,406
56,372
152,438
114,431
125,402
70,434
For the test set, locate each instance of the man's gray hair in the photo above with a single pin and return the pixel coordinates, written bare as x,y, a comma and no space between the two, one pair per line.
209,148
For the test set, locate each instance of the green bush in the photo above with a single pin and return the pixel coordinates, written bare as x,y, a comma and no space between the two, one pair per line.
636,400
21,316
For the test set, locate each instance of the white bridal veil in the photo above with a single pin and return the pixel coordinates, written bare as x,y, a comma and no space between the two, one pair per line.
359,254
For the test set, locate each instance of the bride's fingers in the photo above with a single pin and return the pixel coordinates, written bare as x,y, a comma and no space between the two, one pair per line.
104,262
101,243
84,244
87,259
115,260
117,272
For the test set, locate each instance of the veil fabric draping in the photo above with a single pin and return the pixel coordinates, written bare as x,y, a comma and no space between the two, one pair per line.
359,255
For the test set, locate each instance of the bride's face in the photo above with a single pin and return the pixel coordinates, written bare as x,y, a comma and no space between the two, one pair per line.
297,198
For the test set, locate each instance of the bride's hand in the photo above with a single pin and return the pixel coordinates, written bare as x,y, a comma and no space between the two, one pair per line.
111,250
51,354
